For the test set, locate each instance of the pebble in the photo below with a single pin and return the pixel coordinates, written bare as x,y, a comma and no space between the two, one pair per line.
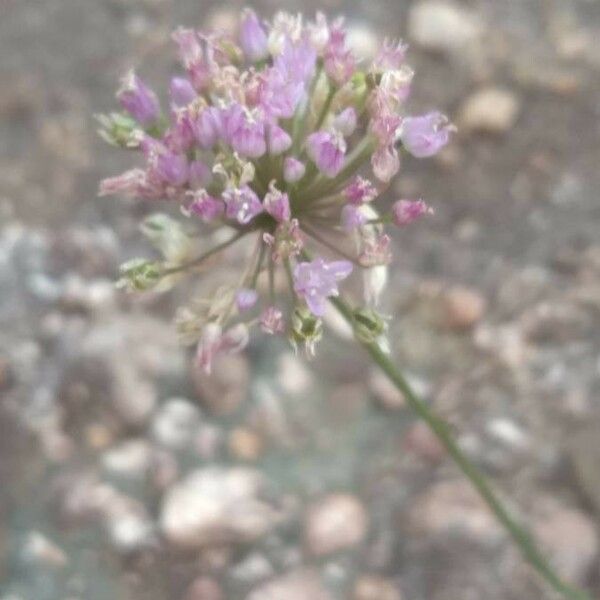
442,26
175,424
453,507
420,441
131,459
204,588
217,505
225,389
244,444
462,308
39,549
335,522
569,537
254,569
374,587
491,110
297,585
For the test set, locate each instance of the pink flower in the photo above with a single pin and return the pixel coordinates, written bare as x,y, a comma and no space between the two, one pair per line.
181,92
166,167
245,131
245,299
339,60
271,320
293,170
376,251
352,217
197,58
138,100
327,150
214,342
253,38
318,280
425,135
346,121
131,184
390,57
360,190
386,163
277,204
208,126
241,204
278,140
405,212
205,206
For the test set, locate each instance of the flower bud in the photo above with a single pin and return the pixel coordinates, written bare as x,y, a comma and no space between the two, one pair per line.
245,299
307,330
278,140
426,135
293,170
405,212
253,38
369,326
138,100
182,92
119,130
139,275
277,204
346,121
271,320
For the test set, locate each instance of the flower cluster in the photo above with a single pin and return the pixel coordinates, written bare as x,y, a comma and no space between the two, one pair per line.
271,134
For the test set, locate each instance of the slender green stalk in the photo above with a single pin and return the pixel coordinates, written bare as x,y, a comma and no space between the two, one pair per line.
200,259
441,430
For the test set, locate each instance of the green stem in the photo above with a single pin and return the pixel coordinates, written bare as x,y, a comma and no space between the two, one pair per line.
441,430
200,259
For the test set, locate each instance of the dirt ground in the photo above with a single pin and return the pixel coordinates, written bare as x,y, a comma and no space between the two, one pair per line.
107,440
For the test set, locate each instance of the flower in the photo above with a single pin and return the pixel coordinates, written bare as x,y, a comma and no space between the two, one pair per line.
327,150
242,204
205,206
214,342
426,135
269,138
293,170
253,38
138,100
245,299
271,320
277,204
405,212
318,280
181,92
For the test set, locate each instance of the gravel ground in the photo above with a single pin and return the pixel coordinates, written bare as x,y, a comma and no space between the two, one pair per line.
125,476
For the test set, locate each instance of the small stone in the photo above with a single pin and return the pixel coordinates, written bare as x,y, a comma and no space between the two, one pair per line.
442,26
335,522
42,551
569,537
492,110
217,505
223,391
385,391
254,569
244,444
133,397
130,459
373,587
453,507
175,423
204,588
297,585
422,442
462,308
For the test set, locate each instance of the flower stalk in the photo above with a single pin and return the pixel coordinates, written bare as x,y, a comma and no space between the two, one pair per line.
441,430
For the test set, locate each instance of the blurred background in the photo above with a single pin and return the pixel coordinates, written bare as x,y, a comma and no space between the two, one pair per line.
125,476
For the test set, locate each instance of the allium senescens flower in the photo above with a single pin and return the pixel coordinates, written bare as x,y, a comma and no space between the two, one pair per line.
278,134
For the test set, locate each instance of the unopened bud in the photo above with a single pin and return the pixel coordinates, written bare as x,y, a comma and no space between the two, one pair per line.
139,275
369,325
